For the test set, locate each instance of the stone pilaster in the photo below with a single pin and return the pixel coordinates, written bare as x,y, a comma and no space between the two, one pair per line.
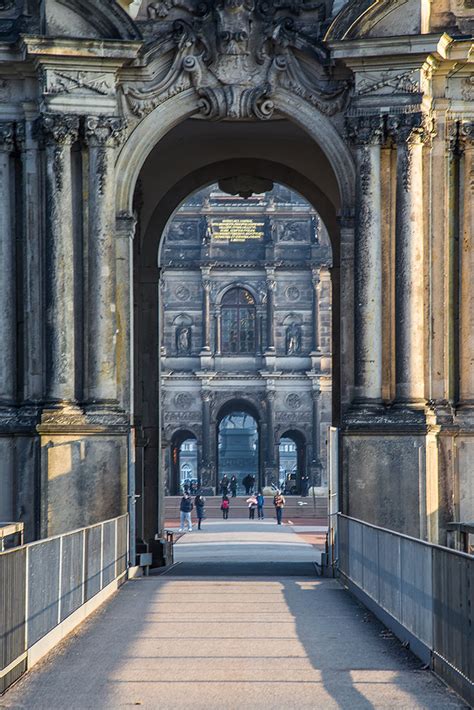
125,232
271,467
367,134
7,270
33,257
316,282
408,132
59,131
206,314
271,288
218,326
206,463
103,134
466,336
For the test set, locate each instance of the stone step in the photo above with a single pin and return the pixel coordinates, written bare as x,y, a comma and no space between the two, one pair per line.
295,507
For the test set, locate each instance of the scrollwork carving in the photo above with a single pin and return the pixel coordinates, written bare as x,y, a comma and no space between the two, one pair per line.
59,131
237,53
365,130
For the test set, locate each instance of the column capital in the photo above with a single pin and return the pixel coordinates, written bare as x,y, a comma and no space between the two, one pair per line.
58,128
207,396
7,136
466,132
409,128
104,131
315,394
365,130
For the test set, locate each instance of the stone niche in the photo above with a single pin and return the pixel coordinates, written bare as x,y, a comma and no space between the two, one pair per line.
382,476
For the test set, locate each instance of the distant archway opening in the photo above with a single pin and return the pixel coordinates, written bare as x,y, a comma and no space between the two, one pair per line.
184,463
238,449
293,476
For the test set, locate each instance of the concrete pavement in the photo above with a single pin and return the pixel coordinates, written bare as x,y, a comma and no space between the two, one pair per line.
241,621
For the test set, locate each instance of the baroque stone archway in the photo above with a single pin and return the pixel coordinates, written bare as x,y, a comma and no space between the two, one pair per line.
94,98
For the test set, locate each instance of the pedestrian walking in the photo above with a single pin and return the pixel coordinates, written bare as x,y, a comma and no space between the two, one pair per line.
185,509
252,503
224,485
247,482
200,504
225,506
233,486
304,485
279,503
260,504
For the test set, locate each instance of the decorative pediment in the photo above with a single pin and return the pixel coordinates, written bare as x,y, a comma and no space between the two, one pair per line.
236,54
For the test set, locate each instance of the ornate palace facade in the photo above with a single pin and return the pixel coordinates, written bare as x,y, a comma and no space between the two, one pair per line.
363,107
246,327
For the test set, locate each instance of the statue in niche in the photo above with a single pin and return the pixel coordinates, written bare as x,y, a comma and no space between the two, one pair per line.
183,340
293,339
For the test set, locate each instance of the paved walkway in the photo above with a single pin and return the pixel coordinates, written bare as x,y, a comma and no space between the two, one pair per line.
270,634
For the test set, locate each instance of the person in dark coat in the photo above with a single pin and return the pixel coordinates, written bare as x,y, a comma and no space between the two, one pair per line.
304,485
233,486
224,485
200,504
185,508
279,503
247,483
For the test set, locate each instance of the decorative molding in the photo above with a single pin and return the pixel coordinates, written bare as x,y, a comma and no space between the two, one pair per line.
293,401
104,131
236,54
401,83
55,82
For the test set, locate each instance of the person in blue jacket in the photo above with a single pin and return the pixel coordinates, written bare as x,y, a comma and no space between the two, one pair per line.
260,504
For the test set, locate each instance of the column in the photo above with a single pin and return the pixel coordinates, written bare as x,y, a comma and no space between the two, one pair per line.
7,271
125,232
59,132
409,272
206,397
206,315
270,457
466,337
315,443
316,320
33,256
367,135
103,134
218,324
271,287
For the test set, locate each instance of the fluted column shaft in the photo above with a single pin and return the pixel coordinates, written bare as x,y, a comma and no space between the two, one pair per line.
409,273
218,332
60,132
103,134
466,339
367,135
7,271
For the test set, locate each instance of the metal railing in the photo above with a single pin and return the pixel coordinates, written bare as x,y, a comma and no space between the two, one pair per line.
44,582
424,592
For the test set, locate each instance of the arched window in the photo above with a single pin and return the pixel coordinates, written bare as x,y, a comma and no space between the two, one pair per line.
238,322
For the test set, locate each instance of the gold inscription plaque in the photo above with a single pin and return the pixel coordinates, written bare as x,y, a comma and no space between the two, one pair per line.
237,230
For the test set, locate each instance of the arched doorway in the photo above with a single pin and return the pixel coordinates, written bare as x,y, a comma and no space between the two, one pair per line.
184,463
238,446
292,463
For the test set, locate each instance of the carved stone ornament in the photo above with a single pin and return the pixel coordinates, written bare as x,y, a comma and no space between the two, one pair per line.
406,130
365,130
236,54
60,129
293,401
72,82
104,130
184,400
6,5
7,136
